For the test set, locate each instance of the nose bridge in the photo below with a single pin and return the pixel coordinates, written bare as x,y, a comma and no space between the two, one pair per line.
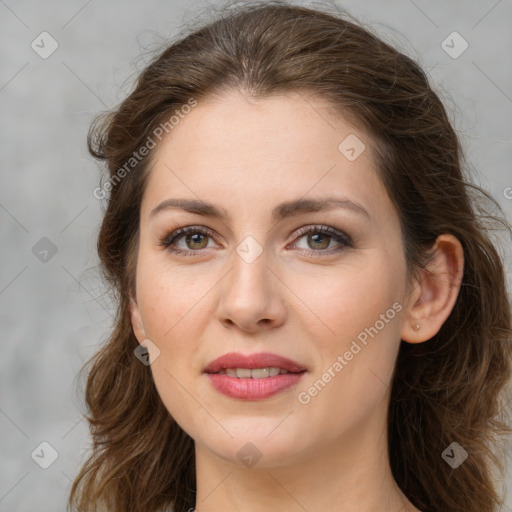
250,295
250,273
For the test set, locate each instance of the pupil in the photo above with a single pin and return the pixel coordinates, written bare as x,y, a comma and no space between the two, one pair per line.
320,242
194,238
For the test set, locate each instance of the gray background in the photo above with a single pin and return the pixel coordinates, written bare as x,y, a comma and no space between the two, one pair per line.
54,313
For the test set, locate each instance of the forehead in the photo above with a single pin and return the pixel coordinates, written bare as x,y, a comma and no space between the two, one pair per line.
255,151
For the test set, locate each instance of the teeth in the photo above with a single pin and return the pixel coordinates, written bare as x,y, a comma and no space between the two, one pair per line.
256,373
243,373
276,371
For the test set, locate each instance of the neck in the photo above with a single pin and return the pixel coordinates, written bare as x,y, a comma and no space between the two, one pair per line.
351,473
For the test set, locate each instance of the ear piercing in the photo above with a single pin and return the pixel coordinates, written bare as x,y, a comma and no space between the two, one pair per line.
416,327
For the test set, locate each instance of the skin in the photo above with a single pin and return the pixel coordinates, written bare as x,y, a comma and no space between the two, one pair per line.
247,156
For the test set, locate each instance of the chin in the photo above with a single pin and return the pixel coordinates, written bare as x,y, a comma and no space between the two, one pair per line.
256,442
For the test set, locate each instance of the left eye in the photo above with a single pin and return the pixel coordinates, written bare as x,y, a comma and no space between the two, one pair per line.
318,238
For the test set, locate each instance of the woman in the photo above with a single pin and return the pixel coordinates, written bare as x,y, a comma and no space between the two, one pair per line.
311,315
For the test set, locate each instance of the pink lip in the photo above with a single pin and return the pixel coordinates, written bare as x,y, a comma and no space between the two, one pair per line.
249,388
251,361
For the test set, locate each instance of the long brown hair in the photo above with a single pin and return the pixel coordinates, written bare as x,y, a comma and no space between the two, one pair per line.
449,389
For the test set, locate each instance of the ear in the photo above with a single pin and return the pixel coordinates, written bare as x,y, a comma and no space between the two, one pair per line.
136,320
434,295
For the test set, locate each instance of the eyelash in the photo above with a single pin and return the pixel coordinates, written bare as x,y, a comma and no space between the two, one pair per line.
336,235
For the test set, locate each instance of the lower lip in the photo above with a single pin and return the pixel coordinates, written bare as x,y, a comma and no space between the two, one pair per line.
253,389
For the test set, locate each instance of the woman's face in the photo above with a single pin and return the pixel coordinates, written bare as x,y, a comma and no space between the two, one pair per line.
270,266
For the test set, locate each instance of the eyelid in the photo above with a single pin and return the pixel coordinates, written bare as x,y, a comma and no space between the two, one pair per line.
333,232
184,230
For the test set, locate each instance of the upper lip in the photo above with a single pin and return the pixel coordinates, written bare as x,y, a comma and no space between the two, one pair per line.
251,361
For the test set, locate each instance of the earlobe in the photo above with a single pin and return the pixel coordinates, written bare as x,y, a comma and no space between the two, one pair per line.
436,291
136,321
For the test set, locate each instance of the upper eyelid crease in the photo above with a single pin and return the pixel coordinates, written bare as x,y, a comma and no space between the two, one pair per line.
280,212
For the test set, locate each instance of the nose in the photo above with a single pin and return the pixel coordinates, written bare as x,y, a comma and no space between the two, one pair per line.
251,296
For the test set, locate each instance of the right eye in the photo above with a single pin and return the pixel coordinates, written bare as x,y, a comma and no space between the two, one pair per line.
194,238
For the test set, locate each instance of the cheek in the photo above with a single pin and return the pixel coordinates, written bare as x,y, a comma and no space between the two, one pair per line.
345,302
169,294
173,304
359,310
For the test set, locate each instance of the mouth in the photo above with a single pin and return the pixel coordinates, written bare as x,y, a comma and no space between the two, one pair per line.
254,376
256,366
254,373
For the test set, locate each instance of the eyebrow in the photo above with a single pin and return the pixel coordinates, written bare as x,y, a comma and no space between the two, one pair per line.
280,212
